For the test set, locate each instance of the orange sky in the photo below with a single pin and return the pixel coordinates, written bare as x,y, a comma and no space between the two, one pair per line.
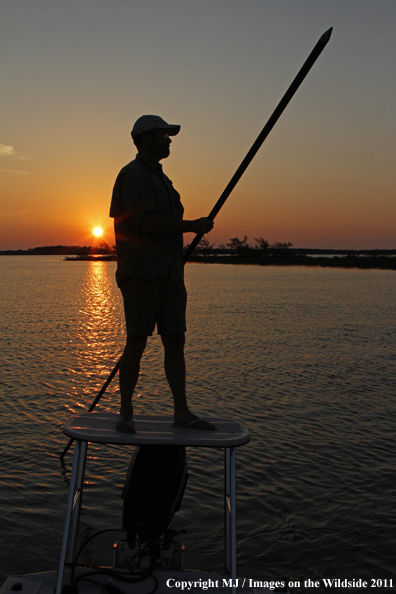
76,77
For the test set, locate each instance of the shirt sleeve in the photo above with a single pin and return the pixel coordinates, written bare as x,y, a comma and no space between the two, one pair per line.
133,198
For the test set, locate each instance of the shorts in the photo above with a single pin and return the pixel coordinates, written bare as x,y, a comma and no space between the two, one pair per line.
160,301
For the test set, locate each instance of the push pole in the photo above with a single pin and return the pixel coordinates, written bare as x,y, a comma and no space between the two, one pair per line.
306,67
313,56
94,403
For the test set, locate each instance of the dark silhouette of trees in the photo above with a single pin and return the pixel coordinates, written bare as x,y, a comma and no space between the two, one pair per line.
263,253
237,244
261,243
280,248
104,248
240,246
205,247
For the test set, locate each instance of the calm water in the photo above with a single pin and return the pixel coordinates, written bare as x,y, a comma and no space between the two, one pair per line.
305,357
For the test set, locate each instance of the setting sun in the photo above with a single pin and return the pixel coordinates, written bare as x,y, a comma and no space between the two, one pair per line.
97,231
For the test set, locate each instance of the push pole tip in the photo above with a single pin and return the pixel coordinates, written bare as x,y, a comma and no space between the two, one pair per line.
326,36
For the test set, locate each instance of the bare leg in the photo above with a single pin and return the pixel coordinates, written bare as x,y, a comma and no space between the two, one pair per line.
175,370
129,375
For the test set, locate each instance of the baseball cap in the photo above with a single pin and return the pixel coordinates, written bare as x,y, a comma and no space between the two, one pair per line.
151,122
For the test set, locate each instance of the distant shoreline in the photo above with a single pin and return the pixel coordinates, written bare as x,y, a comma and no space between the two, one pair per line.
76,250
347,261
363,259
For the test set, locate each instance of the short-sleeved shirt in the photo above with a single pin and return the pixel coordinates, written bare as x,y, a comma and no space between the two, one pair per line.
141,188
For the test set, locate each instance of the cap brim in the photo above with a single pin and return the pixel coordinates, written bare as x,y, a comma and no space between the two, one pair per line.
172,129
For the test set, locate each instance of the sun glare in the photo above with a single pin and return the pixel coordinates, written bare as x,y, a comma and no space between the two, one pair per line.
97,231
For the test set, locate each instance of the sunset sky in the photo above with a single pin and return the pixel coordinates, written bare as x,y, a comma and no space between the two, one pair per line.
76,74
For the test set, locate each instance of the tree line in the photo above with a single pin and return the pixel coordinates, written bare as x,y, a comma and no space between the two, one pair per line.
236,246
241,247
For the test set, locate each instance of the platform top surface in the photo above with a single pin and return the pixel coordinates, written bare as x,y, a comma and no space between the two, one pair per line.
98,427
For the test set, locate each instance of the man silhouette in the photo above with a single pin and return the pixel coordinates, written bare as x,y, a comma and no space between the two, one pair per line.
149,227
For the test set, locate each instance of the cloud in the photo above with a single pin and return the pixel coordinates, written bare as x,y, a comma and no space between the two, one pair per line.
6,150
5,172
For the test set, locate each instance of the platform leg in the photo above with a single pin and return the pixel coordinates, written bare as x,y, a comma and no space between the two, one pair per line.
73,507
230,513
77,502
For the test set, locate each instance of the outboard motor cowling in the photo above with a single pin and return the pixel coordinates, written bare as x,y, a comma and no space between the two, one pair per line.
153,491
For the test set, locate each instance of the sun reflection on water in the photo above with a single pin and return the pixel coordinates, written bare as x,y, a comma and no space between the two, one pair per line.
96,293
100,325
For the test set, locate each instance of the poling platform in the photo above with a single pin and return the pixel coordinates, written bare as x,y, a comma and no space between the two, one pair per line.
97,427
151,430
155,430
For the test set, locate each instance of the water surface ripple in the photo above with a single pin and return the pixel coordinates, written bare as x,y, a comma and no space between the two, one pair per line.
305,357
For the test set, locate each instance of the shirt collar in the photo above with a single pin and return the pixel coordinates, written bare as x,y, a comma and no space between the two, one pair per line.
156,168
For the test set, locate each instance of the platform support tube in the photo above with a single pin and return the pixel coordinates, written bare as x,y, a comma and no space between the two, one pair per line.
73,509
68,519
77,502
230,512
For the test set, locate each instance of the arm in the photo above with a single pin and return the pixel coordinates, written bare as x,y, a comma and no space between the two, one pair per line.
155,223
